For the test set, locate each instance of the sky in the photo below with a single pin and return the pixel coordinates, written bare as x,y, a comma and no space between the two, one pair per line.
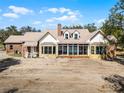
43,14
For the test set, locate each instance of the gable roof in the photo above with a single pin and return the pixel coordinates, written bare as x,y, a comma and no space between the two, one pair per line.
53,34
14,39
34,37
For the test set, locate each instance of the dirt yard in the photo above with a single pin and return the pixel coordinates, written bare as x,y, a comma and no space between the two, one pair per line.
58,75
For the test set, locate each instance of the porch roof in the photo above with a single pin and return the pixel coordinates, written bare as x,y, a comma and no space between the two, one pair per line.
33,43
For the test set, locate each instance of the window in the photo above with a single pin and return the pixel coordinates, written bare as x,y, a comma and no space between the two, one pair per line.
54,49
75,49
92,50
80,49
99,49
65,49
11,46
60,49
66,36
85,49
70,49
75,36
47,50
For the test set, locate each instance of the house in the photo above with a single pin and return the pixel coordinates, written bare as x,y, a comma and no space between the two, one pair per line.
58,43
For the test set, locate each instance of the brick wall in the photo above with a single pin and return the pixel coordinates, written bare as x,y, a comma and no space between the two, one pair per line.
13,48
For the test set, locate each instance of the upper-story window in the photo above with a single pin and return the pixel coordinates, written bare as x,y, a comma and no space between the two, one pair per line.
76,35
66,35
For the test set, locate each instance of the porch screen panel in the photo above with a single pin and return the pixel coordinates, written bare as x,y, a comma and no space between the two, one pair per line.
70,49
64,49
45,50
60,50
85,49
75,49
54,49
81,50
100,49
50,50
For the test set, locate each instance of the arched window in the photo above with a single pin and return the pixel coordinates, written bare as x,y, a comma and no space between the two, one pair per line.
66,35
76,35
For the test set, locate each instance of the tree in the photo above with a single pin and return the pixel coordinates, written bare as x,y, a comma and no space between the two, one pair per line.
73,27
91,27
28,29
12,30
114,25
25,29
5,33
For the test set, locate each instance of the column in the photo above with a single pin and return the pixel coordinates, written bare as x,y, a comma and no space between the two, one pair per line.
52,49
88,50
94,49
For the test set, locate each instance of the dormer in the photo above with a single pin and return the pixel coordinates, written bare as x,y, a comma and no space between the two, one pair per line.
66,35
76,35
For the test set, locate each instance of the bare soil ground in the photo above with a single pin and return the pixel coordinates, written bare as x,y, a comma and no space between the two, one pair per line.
59,75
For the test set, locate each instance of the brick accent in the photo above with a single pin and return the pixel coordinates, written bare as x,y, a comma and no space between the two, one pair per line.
16,48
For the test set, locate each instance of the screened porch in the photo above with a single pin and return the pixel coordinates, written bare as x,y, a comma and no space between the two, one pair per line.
73,49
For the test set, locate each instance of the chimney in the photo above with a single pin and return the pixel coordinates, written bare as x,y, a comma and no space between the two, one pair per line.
59,27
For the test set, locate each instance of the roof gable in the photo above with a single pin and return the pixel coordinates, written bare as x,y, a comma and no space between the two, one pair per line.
48,38
98,37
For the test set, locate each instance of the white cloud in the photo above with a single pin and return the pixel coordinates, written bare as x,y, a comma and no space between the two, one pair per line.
10,15
68,16
36,22
53,10
20,10
61,10
63,18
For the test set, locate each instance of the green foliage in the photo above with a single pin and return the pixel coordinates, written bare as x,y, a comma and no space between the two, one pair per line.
91,27
73,27
114,25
